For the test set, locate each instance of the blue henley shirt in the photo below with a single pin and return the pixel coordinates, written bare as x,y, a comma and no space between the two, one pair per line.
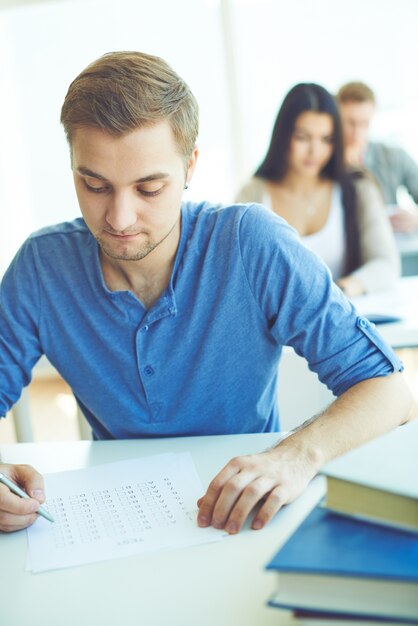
203,360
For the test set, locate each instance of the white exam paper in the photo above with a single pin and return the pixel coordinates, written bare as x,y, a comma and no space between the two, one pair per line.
118,509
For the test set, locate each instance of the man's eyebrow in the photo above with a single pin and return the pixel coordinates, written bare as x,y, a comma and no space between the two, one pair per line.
156,176
84,171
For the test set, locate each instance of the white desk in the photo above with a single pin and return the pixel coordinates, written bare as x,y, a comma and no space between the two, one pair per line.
220,584
402,301
408,249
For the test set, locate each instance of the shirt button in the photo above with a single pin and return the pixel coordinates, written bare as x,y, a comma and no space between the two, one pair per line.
145,328
363,323
148,370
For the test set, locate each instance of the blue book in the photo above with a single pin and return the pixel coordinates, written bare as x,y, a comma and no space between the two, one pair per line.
308,618
342,565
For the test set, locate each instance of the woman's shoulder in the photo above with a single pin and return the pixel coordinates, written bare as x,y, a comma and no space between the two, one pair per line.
367,189
252,191
368,197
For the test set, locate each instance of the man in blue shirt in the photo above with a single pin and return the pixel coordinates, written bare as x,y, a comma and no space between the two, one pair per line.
169,319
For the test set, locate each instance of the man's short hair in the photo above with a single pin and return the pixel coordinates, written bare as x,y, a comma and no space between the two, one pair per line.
355,92
123,91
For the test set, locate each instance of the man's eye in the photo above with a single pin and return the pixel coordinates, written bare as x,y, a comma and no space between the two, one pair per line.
101,189
149,193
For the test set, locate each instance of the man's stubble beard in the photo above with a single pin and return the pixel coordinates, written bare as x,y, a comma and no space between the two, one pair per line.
120,255
141,253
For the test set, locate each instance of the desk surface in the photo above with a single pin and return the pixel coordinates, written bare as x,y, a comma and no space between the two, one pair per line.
221,584
407,243
402,301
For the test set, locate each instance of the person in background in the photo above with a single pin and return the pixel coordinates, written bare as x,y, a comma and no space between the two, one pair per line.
167,318
338,214
391,166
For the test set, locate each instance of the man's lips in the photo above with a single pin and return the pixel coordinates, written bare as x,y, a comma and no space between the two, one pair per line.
120,237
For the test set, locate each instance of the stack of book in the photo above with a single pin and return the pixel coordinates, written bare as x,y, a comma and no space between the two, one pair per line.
354,559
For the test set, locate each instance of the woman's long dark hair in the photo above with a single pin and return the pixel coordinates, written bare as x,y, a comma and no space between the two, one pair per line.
300,99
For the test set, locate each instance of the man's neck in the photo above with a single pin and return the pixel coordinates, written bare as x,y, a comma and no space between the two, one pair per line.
147,278
354,155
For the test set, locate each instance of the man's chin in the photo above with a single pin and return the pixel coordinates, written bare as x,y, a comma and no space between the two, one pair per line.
120,254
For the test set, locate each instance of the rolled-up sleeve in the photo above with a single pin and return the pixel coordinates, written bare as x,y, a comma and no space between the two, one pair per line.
306,310
364,354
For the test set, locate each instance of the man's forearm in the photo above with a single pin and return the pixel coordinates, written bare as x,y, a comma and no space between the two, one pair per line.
365,411
278,475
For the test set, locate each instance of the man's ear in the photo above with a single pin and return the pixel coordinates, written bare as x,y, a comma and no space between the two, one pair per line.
191,164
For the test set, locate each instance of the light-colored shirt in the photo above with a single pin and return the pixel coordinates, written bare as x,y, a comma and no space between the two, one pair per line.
203,360
392,168
328,242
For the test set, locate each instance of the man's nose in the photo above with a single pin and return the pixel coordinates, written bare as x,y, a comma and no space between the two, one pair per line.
355,130
121,212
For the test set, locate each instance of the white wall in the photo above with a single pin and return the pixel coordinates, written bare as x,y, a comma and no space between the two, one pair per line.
253,50
44,46
279,44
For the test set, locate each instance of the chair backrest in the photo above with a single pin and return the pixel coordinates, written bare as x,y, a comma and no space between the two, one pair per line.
21,412
300,393
21,418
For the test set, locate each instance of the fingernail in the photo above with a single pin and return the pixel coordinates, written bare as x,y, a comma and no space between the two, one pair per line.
231,527
257,524
203,520
217,524
34,507
38,494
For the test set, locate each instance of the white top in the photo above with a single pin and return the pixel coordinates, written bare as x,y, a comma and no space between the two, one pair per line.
329,242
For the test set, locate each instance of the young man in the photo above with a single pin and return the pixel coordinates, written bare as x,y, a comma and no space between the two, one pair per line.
391,166
168,318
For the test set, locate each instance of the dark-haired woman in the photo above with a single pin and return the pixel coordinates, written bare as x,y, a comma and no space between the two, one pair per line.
338,214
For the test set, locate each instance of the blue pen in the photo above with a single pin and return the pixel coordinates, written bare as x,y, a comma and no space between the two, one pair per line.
19,492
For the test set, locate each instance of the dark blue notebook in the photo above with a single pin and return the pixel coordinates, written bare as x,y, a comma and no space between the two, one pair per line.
383,318
342,565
